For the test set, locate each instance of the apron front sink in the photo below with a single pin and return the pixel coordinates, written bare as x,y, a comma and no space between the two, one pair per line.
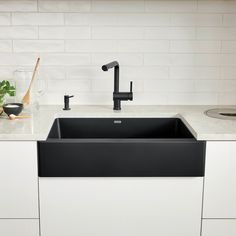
120,147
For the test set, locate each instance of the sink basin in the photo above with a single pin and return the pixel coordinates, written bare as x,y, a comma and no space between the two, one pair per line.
120,147
123,128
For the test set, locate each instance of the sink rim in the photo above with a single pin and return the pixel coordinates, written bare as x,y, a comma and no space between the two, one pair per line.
119,140
178,121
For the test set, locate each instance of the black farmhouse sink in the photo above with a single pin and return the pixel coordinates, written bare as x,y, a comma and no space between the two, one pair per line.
120,147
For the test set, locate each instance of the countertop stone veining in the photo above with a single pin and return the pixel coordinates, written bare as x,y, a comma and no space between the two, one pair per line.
37,127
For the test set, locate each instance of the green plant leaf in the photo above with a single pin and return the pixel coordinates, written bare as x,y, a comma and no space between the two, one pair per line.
6,88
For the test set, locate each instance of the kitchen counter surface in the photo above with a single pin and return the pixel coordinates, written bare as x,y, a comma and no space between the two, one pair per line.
37,127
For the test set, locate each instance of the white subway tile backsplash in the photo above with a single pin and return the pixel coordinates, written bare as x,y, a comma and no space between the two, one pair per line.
228,73
216,33
170,33
102,85
96,98
157,59
157,32
211,86
64,6
193,98
111,32
80,98
193,19
5,18
217,6
195,73
228,85
106,85
6,72
125,59
175,51
228,60
168,86
195,46
84,72
181,59
64,32
229,20
65,59
207,59
229,46
17,59
90,46
53,98
171,6
18,32
18,5
52,72
118,6
38,45
150,98
5,45
227,98
145,72
145,46
37,18
69,86
118,19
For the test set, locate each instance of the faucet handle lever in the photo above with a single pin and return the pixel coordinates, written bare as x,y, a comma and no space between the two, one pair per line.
131,86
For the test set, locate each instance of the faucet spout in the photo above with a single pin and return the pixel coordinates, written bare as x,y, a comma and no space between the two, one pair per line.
108,66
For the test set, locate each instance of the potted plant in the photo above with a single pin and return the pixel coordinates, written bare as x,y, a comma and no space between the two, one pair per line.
6,88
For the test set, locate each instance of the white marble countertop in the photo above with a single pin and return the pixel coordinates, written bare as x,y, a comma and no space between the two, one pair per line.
37,127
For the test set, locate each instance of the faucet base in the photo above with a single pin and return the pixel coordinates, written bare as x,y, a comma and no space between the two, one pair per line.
117,105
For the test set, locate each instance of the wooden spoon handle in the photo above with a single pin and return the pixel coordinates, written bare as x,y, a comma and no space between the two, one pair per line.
26,98
33,76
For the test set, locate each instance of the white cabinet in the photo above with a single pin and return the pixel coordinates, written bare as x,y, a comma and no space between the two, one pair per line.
19,227
219,227
120,206
18,180
220,180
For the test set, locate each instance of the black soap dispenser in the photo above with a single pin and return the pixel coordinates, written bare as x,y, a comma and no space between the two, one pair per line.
67,102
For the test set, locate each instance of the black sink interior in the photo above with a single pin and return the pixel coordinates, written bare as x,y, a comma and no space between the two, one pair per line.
119,128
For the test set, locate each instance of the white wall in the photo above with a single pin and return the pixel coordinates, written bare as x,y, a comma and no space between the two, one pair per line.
175,51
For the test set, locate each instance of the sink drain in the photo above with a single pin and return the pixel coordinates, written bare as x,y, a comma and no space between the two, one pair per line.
222,113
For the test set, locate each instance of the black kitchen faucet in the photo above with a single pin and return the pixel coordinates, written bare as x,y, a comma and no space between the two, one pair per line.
118,96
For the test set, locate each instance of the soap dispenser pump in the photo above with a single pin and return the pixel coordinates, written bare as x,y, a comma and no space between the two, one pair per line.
67,102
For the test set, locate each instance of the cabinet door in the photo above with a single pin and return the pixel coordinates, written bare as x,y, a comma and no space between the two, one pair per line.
120,206
219,227
18,180
220,180
19,227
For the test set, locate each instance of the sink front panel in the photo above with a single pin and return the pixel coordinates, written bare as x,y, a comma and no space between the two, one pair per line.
121,158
